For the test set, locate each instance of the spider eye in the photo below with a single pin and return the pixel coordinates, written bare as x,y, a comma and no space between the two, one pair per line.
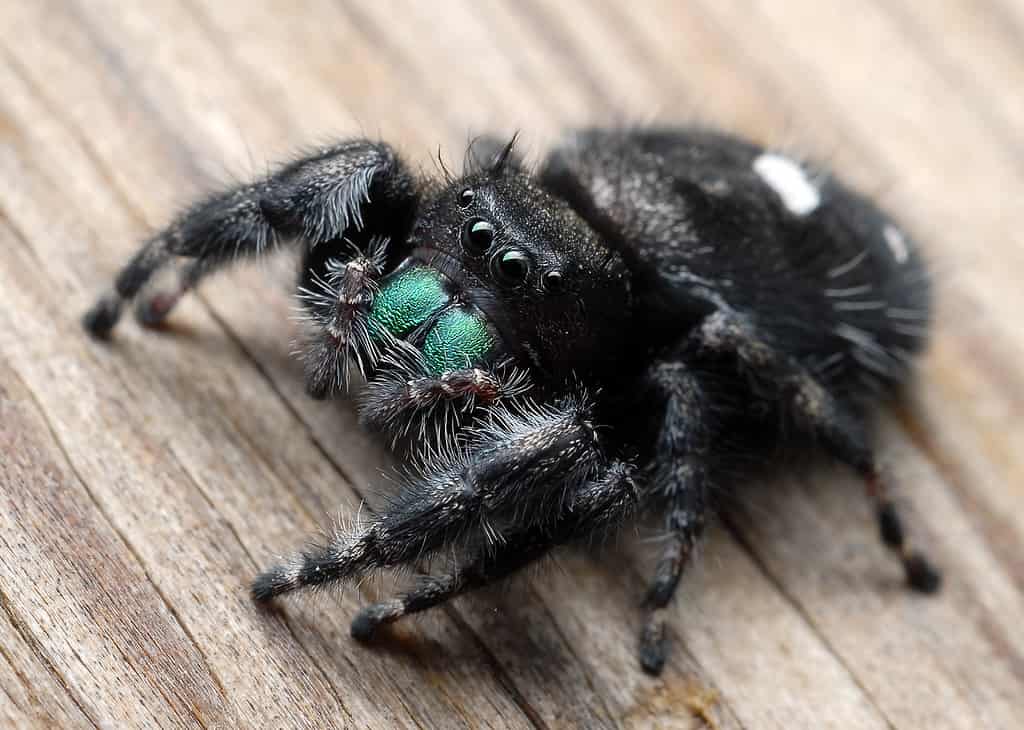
511,268
553,282
466,198
477,236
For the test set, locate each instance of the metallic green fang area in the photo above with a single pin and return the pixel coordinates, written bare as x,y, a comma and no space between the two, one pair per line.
406,301
458,340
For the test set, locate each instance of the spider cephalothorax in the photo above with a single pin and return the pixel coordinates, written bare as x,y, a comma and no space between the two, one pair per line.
556,350
494,268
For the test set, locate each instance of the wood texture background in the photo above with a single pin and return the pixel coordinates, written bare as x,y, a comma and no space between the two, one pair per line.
142,483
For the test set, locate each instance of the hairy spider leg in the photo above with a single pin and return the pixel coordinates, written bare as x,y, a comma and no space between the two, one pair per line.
842,432
520,468
595,506
353,186
679,478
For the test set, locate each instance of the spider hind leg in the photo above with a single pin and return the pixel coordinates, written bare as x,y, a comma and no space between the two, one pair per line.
841,431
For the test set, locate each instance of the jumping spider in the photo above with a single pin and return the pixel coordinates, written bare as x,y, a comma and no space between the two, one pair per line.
555,350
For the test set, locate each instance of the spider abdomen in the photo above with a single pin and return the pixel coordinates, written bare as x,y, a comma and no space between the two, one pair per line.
706,222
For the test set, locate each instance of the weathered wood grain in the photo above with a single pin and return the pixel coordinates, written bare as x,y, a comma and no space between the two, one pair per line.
142,483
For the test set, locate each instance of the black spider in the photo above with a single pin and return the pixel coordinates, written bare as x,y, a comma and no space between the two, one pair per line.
557,350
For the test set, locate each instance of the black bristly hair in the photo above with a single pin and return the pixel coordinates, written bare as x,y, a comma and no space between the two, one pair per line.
552,351
503,157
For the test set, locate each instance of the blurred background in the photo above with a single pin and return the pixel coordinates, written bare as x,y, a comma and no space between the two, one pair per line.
141,484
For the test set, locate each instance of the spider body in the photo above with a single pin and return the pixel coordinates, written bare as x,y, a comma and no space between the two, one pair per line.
558,350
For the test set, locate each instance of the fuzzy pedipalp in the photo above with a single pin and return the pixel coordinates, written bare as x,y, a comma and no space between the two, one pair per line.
404,399
336,307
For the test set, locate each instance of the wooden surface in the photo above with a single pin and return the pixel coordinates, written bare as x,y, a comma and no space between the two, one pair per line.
143,483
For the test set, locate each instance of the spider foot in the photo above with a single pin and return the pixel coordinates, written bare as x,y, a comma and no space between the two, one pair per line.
922,576
101,318
371,618
653,643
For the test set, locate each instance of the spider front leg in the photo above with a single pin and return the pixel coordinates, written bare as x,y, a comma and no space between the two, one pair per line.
353,186
518,469
600,504
842,432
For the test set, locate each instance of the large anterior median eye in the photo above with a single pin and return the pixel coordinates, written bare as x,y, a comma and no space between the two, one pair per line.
511,267
477,236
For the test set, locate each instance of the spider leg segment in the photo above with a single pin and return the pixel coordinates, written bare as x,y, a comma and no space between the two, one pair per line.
841,431
518,469
601,503
921,574
679,478
429,591
152,309
353,186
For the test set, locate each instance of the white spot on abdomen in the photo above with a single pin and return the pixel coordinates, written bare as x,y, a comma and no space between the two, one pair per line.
897,243
790,181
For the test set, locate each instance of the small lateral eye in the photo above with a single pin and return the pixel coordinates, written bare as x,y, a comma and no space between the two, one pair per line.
466,198
553,282
477,236
511,267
